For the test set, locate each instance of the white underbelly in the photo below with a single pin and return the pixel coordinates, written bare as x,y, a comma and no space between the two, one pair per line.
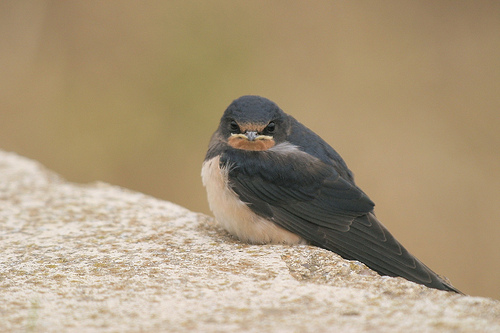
234,215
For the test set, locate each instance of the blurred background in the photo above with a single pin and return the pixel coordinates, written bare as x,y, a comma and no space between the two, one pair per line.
408,92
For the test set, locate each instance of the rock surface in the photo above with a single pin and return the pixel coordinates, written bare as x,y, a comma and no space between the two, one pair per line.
86,258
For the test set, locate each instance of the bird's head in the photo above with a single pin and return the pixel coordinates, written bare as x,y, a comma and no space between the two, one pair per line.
253,123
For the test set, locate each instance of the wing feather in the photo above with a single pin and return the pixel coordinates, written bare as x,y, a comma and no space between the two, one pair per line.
310,198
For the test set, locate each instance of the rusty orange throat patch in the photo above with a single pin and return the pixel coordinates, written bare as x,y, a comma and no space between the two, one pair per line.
261,142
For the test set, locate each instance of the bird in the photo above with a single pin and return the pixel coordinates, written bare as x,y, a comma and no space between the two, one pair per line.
271,180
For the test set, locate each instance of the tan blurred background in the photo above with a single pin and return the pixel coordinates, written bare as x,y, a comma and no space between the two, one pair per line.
408,92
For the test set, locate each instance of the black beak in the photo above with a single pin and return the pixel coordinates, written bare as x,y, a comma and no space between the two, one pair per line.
251,135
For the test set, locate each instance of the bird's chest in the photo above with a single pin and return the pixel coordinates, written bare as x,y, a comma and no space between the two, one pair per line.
234,215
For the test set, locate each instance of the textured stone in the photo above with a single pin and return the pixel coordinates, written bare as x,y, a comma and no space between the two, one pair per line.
98,257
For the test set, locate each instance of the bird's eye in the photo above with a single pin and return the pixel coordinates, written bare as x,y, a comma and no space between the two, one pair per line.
234,126
271,127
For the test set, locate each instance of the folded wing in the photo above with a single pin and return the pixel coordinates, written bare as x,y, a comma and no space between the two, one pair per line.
310,198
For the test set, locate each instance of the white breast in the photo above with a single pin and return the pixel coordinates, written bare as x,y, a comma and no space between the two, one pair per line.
234,215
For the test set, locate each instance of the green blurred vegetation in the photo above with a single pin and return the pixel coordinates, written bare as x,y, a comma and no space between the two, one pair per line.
408,92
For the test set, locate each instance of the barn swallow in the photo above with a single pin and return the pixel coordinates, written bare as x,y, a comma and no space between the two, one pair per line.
270,179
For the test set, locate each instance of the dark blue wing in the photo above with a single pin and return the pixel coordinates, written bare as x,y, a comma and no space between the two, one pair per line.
311,198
